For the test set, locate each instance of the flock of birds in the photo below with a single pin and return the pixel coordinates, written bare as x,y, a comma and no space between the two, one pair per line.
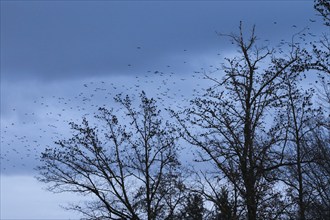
25,132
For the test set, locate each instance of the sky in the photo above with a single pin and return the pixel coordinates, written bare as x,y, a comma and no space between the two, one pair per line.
61,60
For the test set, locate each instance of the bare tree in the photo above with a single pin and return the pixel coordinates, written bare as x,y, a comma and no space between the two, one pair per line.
129,168
323,8
298,117
320,54
229,125
318,173
318,176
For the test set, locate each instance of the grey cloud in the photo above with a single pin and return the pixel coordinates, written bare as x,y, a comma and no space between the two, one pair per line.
54,40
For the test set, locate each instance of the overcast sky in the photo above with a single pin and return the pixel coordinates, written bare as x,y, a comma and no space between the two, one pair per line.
61,60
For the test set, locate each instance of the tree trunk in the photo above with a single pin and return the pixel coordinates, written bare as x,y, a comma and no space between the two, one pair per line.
251,201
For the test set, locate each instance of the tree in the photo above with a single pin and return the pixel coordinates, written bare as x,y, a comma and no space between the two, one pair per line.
318,175
321,50
298,120
129,167
223,200
225,206
323,8
228,122
193,208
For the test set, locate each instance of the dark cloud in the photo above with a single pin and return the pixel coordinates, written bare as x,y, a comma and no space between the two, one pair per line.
59,39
